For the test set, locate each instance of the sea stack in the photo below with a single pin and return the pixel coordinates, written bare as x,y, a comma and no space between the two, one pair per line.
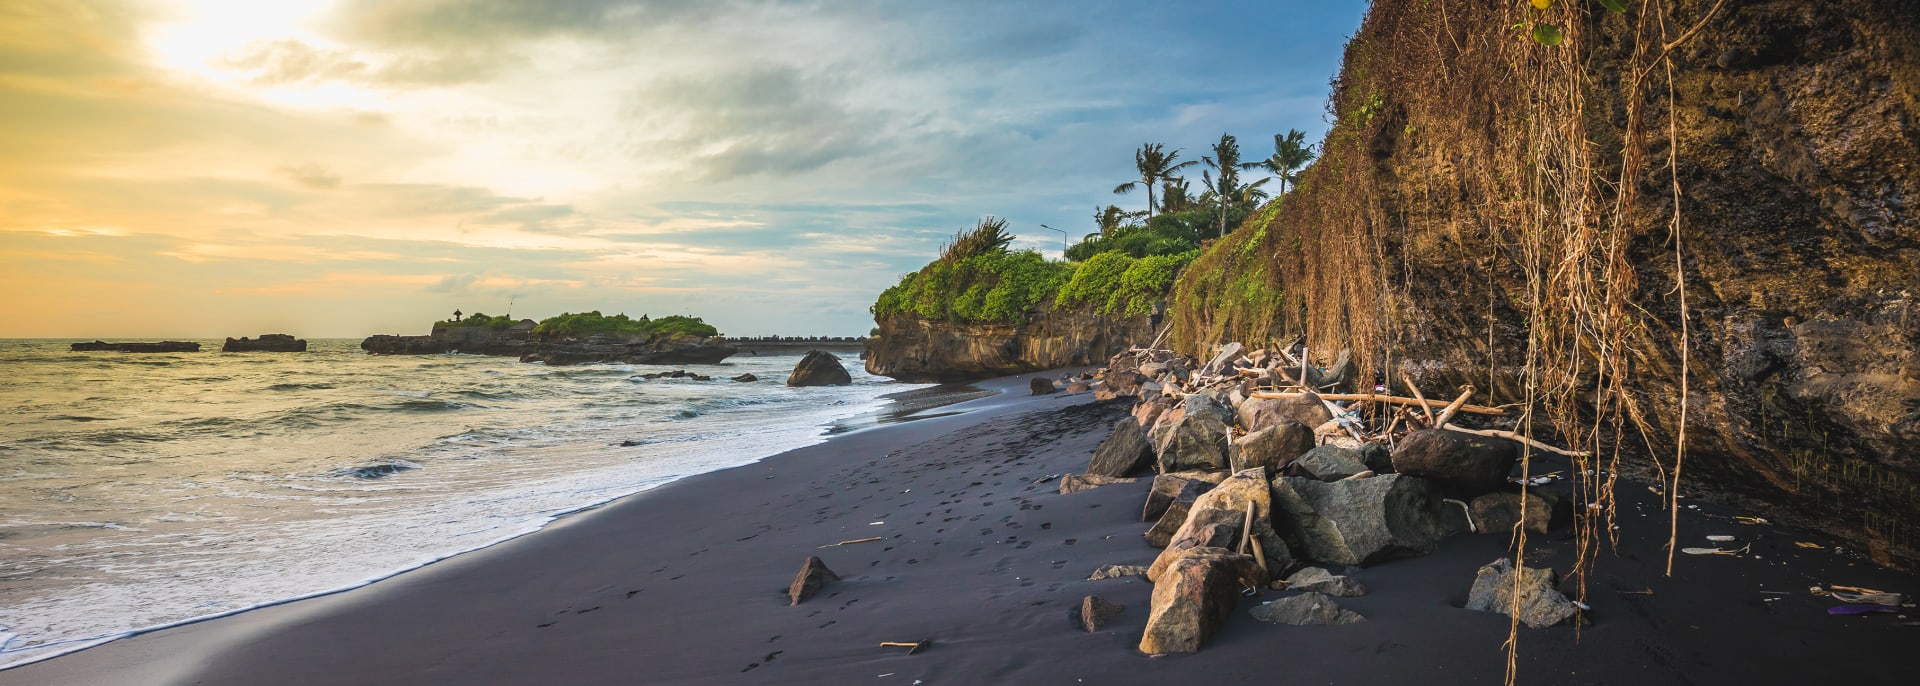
819,368
160,347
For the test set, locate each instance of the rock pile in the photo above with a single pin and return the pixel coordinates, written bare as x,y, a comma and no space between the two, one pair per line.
1261,463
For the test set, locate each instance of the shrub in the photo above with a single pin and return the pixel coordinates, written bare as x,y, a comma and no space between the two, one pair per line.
584,323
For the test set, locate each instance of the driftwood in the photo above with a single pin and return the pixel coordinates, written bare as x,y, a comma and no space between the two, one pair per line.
1447,414
1424,406
1376,397
1496,433
857,540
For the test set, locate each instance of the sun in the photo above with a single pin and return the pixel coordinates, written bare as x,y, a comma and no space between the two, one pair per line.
197,39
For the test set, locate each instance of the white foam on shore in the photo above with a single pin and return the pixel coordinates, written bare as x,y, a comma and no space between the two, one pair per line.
355,528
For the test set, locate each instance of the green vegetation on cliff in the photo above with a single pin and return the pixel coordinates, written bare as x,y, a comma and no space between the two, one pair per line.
480,320
586,323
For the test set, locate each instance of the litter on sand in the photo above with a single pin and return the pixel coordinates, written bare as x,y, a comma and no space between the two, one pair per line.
1743,519
1888,599
1814,546
1715,551
1720,538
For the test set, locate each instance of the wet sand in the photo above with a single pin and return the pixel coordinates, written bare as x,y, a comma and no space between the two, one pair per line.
686,584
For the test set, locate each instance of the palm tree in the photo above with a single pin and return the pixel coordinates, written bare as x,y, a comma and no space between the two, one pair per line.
1154,166
1290,153
1226,188
1175,195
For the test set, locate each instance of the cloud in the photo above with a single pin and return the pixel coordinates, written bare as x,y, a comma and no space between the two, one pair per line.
311,175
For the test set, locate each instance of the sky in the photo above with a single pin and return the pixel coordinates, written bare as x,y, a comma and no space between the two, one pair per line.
339,168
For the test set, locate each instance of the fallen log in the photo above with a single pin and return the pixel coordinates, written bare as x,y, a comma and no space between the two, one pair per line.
1447,414
1376,397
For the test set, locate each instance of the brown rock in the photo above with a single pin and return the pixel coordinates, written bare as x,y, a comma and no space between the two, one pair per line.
1175,515
1260,413
819,368
1148,411
1498,513
1222,511
1075,483
1273,447
1095,611
1041,385
1167,487
1078,387
1476,464
1193,597
813,575
1117,571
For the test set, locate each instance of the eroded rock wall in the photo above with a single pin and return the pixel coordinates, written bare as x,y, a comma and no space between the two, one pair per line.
917,350
1797,151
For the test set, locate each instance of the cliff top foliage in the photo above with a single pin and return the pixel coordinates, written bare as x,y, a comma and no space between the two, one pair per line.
586,323
478,319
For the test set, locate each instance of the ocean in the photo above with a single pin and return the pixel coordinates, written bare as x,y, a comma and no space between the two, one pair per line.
144,490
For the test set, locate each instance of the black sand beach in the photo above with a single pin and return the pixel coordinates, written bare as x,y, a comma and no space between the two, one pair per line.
686,584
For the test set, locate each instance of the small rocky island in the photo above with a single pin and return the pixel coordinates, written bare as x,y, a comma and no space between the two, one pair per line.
266,343
568,339
160,347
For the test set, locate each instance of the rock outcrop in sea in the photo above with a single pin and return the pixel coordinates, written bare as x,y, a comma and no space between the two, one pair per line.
918,350
266,343
819,368
520,341
160,347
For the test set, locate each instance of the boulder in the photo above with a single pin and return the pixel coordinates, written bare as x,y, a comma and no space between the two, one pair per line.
1095,611
1147,412
1498,513
1306,609
1541,602
1078,387
1193,442
746,378
1075,483
1124,383
819,368
1320,580
1117,571
1330,463
1224,359
1175,514
1476,464
1167,488
1124,452
1259,413
1273,447
812,577
1222,512
1378,456
1040,385
1164,424
1358,521
1193,597
1212,404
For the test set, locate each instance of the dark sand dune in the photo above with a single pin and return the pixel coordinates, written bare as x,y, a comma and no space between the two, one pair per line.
687,584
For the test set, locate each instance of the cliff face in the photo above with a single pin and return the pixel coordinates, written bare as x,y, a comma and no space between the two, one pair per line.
917,350
529,347
1483,196
472,340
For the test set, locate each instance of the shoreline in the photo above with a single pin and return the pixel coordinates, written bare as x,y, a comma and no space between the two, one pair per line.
685,583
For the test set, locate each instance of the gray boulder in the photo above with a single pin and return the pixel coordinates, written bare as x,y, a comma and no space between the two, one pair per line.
1541,602
1124,452
1193,442
1259,413
1040,385
1095,611
1322,581
1224,360
1330,463
1175,515
1213,404
1306,609
1476,464
1117,571
1359,521
1193,597
1273,447
819,368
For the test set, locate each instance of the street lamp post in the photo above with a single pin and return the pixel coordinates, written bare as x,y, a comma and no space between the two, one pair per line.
1063,240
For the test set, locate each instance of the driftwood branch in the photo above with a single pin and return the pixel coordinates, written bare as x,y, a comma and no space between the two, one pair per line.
1496,433
1447,414
1425,407
1376,397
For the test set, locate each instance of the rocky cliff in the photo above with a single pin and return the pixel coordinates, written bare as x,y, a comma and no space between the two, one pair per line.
160,347
266,343
917,350
1497,211
521,342
472,340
